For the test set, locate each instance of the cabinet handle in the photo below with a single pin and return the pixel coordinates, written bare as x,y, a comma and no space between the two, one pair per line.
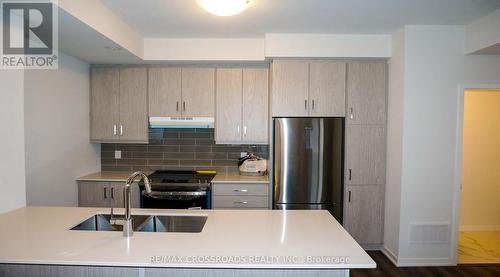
238,128
313,104
240,190
351,116
305,104
105,193
121,130
349,200
240,202
184,105
245,130
112,193
114,129
177,106
350,174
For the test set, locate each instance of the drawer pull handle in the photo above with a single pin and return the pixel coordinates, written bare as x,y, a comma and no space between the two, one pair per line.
240,202
240,190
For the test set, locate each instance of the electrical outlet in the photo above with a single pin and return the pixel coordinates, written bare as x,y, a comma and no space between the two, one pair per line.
243,154
118,154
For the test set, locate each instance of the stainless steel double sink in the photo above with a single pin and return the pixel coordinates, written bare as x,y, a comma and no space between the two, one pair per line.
147,223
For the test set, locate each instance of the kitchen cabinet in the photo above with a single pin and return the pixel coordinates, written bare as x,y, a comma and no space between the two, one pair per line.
365,154
104,104
240,195
165,92
105,194
327,84
181,92
255,105
308,88
198,92
241,105
366,92
118,105
289,88
363,215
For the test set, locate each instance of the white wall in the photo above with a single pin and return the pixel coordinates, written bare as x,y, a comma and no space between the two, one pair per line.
12,184
394,155
435,68
57,132
328,45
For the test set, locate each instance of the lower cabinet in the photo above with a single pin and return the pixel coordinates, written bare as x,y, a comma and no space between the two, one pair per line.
363,213
240,195
105,194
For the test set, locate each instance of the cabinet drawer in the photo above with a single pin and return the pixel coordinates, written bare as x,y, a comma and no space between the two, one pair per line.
241,202
241,189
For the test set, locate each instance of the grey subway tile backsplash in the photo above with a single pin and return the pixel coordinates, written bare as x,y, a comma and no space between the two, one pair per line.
177,149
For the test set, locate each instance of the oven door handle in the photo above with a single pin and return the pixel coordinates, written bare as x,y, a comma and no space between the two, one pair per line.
175,194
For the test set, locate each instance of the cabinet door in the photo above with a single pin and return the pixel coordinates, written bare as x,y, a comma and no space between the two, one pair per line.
104,104
327,88
116,194
164,92
255,105
228,105
93,194
365,154
366,92
289,88
198,92
363,216
133,105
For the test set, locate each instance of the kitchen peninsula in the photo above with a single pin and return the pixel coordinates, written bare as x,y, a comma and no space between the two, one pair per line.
39,241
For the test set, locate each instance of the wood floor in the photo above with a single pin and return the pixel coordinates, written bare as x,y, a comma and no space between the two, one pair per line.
387,268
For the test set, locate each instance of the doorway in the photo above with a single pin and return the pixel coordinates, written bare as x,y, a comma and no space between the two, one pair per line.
479,221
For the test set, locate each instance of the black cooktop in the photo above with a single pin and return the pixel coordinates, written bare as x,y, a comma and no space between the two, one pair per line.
179,180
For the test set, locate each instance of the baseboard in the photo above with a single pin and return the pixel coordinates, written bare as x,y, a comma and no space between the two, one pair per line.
372,247
407,262
476,228
391,256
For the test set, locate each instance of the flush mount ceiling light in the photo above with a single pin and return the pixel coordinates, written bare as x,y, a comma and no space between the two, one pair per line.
224,7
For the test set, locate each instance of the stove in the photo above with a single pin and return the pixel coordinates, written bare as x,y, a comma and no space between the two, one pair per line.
174,189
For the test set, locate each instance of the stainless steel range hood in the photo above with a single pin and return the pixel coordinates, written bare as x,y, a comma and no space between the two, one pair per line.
181,122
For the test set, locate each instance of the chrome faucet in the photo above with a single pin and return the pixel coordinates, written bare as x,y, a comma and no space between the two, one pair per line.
126,221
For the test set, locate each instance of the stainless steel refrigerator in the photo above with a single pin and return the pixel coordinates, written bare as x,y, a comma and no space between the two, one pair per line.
308,164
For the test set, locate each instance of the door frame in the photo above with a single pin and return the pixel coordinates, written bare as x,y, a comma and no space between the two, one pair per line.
457,183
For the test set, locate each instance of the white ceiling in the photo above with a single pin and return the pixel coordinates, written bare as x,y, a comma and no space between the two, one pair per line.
184,18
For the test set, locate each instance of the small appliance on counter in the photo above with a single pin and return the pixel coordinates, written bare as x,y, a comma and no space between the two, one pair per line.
251,165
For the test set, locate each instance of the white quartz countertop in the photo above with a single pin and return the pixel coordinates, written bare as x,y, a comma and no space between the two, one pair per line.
220,177
235,177
229,239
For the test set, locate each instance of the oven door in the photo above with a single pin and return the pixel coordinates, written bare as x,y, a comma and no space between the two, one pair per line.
175,200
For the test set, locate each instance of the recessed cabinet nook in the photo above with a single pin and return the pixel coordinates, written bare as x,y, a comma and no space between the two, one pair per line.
243,100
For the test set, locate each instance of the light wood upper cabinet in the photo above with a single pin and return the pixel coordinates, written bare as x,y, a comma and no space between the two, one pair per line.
229,105
255,105
241,105
133,104
366,92
365,154
104,103
363,215
165,93
308,88
290,88
327,88
198,92
118,105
